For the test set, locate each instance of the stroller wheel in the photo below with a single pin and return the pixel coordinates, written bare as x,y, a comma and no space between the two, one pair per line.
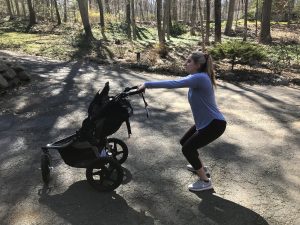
45,167
118,149
105,174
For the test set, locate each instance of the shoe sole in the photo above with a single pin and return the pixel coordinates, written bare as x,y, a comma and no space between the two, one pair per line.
203,189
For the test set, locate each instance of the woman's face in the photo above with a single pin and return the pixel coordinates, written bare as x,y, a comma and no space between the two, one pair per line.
190,66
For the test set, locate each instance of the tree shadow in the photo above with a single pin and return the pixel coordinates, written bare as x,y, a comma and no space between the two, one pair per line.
80,204
226,212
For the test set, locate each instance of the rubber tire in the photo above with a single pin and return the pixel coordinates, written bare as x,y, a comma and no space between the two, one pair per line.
124,149
103,164
45,167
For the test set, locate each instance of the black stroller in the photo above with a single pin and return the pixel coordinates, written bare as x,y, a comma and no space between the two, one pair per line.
90,146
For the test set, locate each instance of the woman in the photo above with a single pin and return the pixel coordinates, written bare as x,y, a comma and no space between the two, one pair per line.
209,121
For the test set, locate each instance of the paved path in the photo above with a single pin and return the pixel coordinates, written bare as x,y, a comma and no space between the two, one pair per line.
255,164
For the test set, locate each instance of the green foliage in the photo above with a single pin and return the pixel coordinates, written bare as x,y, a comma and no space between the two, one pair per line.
238,51
177,29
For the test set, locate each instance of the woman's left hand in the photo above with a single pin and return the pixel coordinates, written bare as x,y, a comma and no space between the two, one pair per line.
142,88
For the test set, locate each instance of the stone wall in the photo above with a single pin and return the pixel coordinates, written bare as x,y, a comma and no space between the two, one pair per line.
12,74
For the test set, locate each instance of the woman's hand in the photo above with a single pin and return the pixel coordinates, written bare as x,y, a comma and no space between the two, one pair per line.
142,88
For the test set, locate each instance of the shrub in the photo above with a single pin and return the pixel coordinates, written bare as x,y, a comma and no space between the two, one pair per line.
177,29
238,51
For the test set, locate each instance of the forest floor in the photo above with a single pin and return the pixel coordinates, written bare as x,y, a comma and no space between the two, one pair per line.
254,164
66,42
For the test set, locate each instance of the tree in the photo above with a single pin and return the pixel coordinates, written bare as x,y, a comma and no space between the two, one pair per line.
102,24
9,9
57,13
256,18
17,7
207,33
202,27
83,9
193,17
128,21
174,11
228,28
32,17
217,20
133,20
245,21
167,18
65,11
265,32
23,8
107,8
161,34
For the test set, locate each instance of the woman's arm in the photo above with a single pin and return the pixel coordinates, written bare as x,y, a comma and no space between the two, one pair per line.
188,81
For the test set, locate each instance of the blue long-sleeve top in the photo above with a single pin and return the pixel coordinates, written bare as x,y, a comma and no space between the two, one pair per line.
201,96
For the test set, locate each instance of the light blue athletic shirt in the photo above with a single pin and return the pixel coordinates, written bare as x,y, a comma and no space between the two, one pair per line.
201,96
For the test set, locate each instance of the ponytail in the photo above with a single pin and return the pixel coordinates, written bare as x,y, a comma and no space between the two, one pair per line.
210,69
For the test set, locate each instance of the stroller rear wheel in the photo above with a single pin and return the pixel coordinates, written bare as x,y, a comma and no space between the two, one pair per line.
105,174
45,167
118,149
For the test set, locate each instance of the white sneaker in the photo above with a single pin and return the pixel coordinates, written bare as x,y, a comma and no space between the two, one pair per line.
201,185
191,168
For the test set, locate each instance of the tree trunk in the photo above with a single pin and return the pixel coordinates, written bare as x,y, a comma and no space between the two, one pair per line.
51,10
265,32
65,11
32,17
207,33
107,8
228,28
217,20
256,18
133,20
168,18
57,13
245,21
161,34
83,9
193,17
9,11
141,12
237,15
102,24
128,20
202,26
23,8
174,11
17,7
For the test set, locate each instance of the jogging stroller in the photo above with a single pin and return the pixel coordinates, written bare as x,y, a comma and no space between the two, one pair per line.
90,146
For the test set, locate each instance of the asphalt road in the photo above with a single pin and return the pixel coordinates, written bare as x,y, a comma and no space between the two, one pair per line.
255,164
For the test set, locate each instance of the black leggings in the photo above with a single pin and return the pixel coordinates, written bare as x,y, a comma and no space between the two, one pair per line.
193,139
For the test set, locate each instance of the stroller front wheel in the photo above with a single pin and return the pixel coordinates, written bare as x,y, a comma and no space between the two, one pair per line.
119,149
104,174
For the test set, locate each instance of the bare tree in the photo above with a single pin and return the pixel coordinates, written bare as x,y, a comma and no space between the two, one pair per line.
32,17
107,8
228,28
256,18
57,12
174,11
11,16
102,24
65,11
161,34
128,20
202,26
217,20
265,32
17,7
193,17
207,33
245,21
23,8
83,9
133,20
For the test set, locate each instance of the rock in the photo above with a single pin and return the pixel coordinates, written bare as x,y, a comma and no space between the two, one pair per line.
296,81
24,76
17,68
3,67
14,82
9,74
3,82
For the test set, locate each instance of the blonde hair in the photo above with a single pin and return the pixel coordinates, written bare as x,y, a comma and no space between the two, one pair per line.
206,62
